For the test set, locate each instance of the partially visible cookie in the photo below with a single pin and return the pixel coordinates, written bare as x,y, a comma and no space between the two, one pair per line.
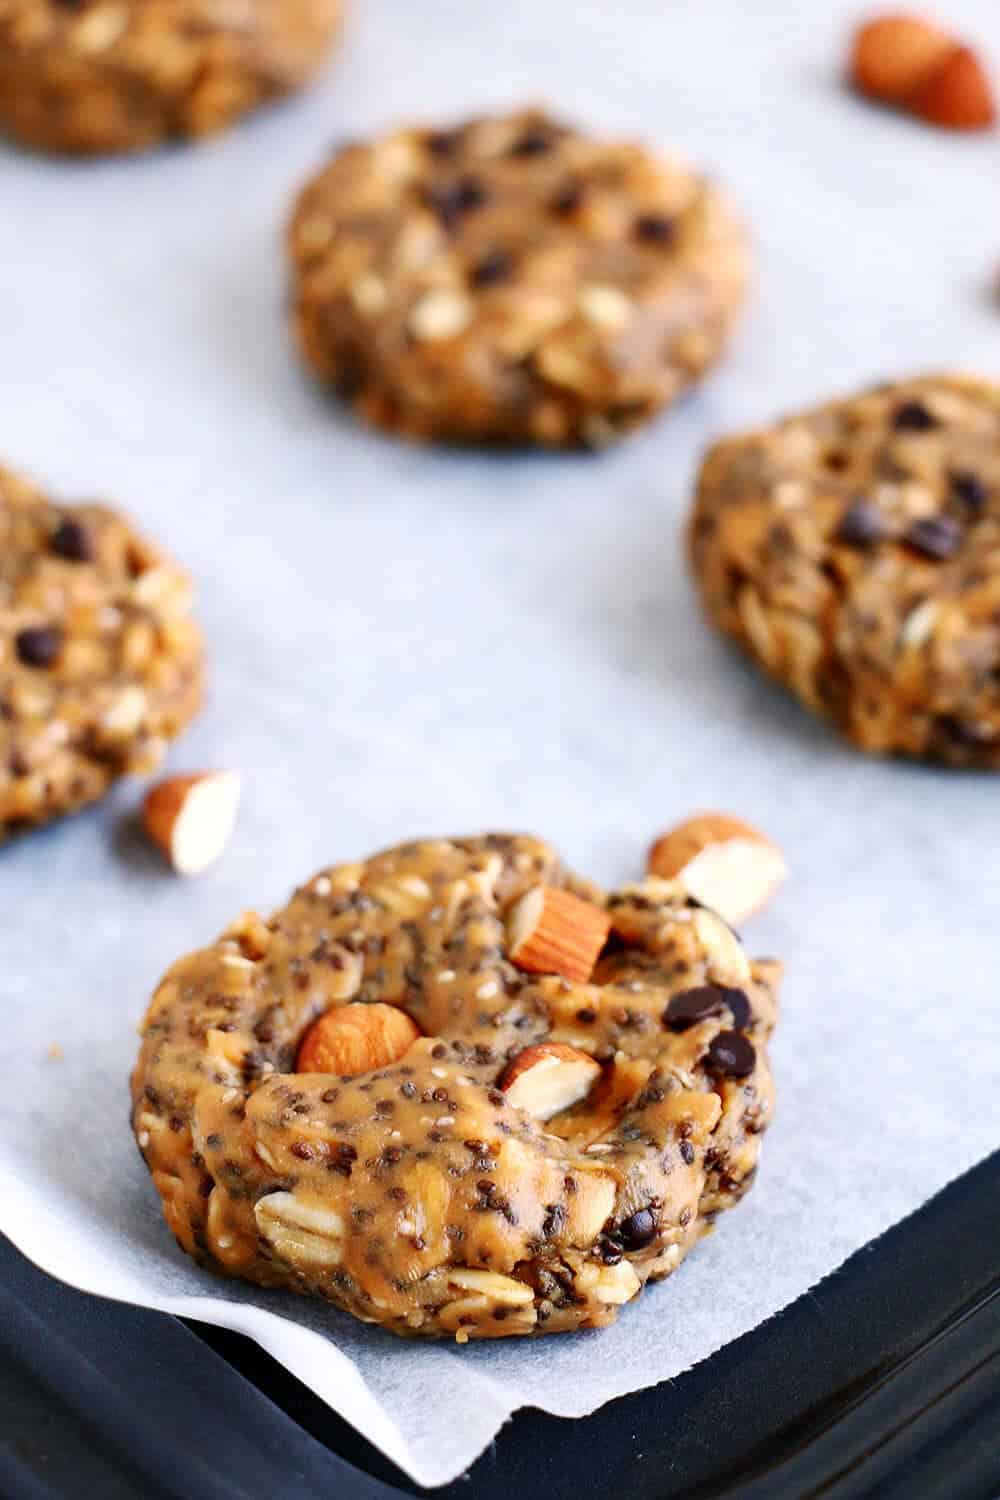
121,75
855,552
100,662
511,280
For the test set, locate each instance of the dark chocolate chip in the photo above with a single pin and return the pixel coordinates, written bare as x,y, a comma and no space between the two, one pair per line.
637,1230
730,1055
72,541
969,490
695,1005
494,266
655,229
913,416
452,201
532,143
568,198
38,645
739,1005
963,734
861,525
443,142
937,537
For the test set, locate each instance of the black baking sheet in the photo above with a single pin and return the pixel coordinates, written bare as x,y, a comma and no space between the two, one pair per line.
884,1381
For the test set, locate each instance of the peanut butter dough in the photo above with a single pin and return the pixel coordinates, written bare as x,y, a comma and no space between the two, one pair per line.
121,75
416,1195
100,662
510,280
854,551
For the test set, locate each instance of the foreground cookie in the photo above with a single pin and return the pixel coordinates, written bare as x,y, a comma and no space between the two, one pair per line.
510,280
855,552
120,75
100,662
468,1142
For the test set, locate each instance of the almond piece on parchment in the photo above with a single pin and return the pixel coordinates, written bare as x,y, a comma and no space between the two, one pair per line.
724,863
191,818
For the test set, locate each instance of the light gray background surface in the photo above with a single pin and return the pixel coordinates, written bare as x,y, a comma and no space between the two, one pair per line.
411,642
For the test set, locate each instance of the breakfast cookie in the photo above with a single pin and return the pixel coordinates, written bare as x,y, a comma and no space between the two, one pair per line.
855,552
100,662
510,280
458,1091
121,75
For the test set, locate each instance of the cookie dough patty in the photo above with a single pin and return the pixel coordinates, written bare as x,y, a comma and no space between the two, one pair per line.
855,552
510,280
100,663
429,1194
120,75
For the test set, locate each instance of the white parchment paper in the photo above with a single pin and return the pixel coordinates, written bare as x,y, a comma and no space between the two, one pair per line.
410,642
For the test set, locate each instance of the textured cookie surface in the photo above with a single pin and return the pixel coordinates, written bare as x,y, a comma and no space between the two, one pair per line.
510,280
855,552
417,1195
100,662
120,75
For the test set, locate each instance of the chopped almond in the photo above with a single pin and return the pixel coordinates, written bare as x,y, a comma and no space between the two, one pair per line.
892,56
548,1078
191,818
957,95
356,1038
722,862
554,932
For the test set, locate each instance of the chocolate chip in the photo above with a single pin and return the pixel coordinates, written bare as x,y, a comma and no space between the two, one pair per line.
739,1006
730,1055
704,1001
443,142
655,229
495,266
452,201
937,537
861,525
532,143
568,198
687,1152
38,645
72,541
969,490
913,416
637,1230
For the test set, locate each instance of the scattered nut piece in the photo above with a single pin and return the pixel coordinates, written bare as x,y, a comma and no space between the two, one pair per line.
958,94
892,56
911,62
554,932
548,1078
356,1038
722,862
191,818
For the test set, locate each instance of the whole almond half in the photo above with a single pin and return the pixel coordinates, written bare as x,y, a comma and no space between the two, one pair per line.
356,1038
551,931
724,863
892,56
191,818
548,1078
958,94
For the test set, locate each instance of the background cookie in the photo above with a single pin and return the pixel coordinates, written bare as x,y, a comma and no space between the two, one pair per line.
100,662
118,75
485,1134
855,552
511,280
